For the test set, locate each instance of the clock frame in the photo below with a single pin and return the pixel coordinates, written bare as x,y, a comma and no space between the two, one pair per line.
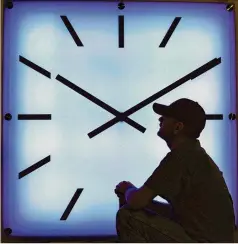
6,232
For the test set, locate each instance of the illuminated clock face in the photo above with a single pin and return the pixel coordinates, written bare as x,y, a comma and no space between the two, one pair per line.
79,82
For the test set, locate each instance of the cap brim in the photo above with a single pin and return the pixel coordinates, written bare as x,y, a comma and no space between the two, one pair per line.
160,109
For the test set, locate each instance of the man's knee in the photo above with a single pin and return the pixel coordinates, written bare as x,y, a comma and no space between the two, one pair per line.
123,213
126,225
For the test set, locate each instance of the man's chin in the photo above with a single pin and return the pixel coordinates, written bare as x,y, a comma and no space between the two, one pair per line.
159,134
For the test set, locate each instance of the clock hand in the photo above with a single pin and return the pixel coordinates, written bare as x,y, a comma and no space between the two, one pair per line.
100,103
204,68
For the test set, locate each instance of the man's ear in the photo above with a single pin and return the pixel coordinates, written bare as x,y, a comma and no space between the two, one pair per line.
179,126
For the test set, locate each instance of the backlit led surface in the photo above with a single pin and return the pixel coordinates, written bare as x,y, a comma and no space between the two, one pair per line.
120,77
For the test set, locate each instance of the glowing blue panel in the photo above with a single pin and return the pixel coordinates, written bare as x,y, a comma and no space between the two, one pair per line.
120,77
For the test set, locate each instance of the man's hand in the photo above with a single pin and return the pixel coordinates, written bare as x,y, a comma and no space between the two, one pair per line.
122,187
121,197
120,190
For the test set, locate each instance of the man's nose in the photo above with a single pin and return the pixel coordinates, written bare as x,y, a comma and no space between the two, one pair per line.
161,119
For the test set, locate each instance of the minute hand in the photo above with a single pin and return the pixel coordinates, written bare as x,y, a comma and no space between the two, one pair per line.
192,75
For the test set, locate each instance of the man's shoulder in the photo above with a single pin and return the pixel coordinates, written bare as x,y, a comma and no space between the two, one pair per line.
193,159
190,159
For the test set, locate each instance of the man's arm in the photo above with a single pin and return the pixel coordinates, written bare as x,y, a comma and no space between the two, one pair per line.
165,182
143,198
163,209
139,198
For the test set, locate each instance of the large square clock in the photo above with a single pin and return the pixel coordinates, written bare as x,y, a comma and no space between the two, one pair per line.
78,82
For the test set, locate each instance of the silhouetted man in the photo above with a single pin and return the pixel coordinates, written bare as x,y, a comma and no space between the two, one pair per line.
200,207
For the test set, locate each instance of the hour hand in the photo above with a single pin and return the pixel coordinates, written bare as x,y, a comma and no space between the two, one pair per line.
100,103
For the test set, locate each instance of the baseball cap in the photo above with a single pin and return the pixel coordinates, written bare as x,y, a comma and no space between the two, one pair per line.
184,110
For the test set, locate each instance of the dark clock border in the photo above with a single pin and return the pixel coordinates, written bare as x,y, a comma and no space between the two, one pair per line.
38,239
6,237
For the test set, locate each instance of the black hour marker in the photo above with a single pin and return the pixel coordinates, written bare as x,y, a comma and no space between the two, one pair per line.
34,167
170,32
121,31
71,31
34,116
35,67
71,204
214,116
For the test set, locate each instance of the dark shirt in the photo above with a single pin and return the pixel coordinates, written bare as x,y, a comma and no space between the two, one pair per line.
193,184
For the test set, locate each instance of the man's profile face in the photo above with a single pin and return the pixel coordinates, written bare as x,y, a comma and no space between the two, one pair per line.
167,129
